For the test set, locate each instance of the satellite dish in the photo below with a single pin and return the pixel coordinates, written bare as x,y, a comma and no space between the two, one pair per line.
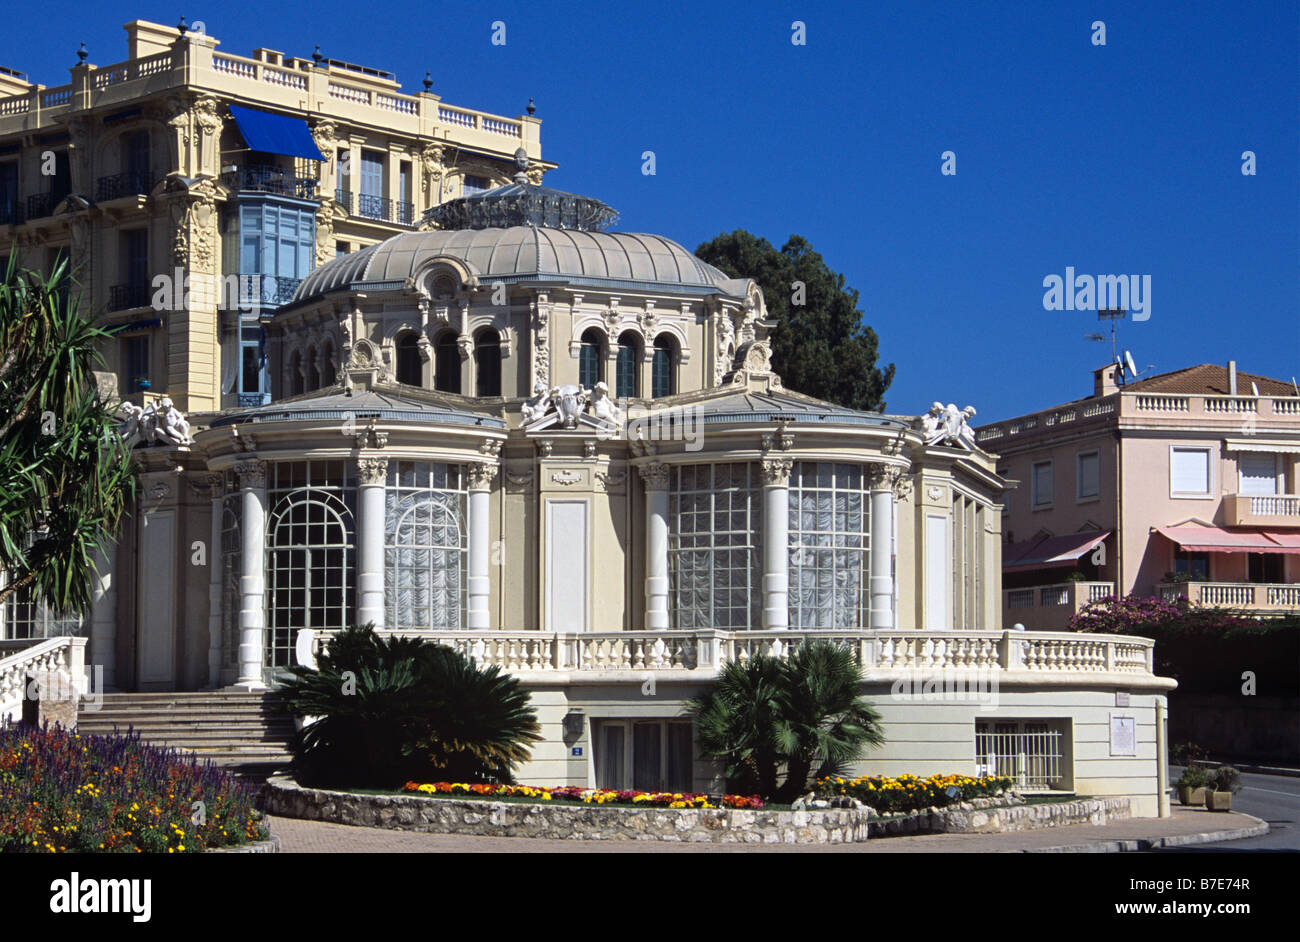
1128,361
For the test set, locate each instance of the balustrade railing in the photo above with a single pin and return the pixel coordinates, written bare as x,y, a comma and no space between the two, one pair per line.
131,183
1249,596
64,657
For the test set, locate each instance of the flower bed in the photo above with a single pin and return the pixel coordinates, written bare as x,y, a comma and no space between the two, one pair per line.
64,792
906,793
589,796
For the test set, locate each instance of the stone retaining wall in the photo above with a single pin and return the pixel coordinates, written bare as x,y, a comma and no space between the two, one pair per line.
283,796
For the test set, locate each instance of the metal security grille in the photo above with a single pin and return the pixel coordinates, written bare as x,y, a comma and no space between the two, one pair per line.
426,545
1029,752
715,565
829,546
310,535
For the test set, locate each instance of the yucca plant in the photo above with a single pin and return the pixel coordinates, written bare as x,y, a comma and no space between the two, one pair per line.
392,709
770,720
66,477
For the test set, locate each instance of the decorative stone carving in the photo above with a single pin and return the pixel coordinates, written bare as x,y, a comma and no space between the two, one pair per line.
589,448
603,407
758,357
775,472
726,336
251,473
518,481
613,316
537,406
654,475
206,484
902,487
431,166
372,471
934,492
491,447
566,478
611,479
544,448
948,426
159,422
783,439
481,474
159,489
325,135
569,401
541,311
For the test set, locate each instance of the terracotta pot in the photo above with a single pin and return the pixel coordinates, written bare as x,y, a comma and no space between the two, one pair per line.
1218,801
1195,797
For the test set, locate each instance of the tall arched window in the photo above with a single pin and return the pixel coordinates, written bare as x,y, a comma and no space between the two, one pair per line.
446,363
627,367
591,358
328,376
312,371
408,360
662,379
487,363
297,380
425,554
309,538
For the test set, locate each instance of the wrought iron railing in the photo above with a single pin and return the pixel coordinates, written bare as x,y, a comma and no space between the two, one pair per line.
124,184
125,297
377,207
40,205
271,179
264,290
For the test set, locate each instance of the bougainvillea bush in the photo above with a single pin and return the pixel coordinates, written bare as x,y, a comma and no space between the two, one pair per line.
587,796
906,793
61,791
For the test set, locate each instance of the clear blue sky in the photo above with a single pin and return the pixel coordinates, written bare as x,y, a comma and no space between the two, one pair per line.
1117,159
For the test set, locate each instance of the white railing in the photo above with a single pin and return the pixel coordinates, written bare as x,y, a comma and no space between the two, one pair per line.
1284,596
229,65
16,104
1286,406
1279,506
358,96
54,97
285,78
1099,408
1100,590
402,104
1149,403
1230,404
1256,596
465,119
64,656
497,126
703,652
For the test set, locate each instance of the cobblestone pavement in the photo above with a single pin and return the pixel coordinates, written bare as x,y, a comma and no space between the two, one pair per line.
317,837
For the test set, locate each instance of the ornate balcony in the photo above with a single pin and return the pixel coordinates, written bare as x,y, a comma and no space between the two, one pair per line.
126,297
124,184
1262,597
271,179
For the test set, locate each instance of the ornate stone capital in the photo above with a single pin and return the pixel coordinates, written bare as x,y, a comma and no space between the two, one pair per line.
371,471
251,473
654,475
776,471
207,484
481,474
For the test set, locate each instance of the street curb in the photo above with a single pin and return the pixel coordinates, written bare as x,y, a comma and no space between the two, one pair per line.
1258,829
1256,769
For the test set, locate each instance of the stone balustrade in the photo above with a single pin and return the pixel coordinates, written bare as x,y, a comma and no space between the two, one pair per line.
883,654
63,658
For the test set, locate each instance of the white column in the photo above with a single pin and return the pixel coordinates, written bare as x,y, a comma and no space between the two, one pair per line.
252,573
478,584
882,543
371,475
103,618
655,477
776,542
216,586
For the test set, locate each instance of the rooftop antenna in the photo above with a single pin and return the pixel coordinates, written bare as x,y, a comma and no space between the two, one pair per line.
1114,315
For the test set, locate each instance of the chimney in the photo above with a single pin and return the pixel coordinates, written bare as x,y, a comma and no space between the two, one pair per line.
1232,377
1103,381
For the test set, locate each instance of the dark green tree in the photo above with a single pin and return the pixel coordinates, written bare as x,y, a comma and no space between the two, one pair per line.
66,478
821,347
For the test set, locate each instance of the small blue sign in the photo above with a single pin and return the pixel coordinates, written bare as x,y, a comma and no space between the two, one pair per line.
576,751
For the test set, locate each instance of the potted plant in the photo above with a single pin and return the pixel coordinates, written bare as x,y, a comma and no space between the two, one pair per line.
1191,785
1225,781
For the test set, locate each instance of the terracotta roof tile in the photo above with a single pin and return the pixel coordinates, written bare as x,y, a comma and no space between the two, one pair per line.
1210,379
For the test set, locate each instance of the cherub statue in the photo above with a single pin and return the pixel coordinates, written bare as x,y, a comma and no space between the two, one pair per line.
128,425
967,434
932,424
537,407
172,428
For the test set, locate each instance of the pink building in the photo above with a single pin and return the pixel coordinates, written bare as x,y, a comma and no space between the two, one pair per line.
1183,483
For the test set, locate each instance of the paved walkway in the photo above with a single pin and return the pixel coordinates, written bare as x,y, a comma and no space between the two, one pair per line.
315,837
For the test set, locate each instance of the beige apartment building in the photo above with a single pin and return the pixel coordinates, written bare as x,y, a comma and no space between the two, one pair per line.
1178,484
193,189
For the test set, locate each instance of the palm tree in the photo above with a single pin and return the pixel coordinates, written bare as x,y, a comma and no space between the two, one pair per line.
766,717
66,477
392,709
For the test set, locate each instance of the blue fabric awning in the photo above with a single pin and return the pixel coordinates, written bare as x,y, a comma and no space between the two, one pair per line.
275,133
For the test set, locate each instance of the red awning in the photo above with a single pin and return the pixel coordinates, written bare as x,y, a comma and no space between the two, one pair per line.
1048,551
1218,540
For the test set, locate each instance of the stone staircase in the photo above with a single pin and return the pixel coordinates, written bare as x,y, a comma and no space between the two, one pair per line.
232,728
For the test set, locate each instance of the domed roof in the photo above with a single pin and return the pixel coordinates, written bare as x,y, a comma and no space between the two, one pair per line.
600,259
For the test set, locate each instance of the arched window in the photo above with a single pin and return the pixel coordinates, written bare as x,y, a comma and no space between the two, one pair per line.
312,371
591,358
628,366
487,363
328,375
426,546
408,360
446,363
309,538
297,381
662,378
